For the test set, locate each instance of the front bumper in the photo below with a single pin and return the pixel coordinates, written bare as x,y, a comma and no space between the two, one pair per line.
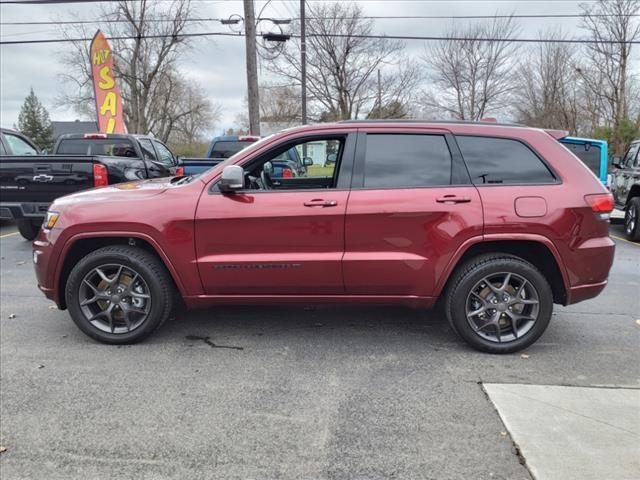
16,211
45,264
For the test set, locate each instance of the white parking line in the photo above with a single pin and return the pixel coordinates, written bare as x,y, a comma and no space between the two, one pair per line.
9,234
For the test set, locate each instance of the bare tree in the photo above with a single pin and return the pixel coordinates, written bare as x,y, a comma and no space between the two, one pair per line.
472,77
342,64
280,104
145,66
606,69
183,113
548,87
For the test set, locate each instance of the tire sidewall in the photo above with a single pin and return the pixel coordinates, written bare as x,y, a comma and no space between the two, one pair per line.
469,280
158,303
634,234
28,228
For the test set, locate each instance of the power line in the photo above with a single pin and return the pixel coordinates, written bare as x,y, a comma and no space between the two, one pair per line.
63,2
365,17
122,37
374,36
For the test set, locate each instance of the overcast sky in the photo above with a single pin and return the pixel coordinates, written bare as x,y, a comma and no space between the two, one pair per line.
218,63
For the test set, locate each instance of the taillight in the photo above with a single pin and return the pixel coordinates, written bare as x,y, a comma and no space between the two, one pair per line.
100,175
601,204
180,172
287,172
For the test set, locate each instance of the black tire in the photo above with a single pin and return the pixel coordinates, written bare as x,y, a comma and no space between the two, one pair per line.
149,268
467,277
632,220
28,228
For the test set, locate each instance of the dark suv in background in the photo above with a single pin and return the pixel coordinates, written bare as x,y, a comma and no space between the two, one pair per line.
495,223
625,186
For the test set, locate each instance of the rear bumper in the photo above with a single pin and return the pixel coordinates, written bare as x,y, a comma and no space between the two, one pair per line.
585,292
588,267
16,211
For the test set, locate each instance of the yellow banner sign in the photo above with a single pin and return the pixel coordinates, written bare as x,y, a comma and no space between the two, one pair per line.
107,93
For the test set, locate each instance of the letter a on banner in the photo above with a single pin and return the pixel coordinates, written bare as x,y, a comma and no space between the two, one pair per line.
107,93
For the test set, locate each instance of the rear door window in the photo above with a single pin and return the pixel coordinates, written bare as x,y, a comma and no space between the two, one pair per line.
403,160
18,146
164,153
502,161
147,149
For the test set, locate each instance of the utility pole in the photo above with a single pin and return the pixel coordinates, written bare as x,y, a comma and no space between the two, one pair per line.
379,93
252,68
303,62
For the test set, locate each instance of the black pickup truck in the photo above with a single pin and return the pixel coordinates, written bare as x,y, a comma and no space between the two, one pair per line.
29,181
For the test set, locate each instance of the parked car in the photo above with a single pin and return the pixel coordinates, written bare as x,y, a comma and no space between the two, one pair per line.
30,182
496,222
15,143
625,185
288,164
593,153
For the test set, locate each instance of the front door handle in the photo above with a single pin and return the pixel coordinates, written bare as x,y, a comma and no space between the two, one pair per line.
319,202
453,199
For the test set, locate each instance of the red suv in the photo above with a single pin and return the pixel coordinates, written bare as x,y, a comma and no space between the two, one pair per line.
495,223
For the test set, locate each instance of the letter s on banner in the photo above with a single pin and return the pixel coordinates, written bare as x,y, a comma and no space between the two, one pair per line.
107,93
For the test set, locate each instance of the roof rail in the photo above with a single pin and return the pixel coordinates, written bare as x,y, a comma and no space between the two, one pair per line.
465,122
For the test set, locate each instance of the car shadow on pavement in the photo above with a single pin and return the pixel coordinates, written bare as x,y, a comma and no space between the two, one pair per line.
226,326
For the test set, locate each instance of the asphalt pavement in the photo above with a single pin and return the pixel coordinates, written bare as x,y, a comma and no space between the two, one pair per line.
285,393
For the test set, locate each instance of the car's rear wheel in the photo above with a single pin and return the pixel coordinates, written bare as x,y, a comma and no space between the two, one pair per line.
28,227
499,303
119,294
632,220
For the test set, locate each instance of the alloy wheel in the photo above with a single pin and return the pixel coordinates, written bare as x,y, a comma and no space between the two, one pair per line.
502,307
114,298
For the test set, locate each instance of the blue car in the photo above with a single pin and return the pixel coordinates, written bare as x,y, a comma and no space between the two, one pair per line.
288,164
593,153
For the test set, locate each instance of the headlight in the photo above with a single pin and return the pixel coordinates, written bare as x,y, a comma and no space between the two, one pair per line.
50,220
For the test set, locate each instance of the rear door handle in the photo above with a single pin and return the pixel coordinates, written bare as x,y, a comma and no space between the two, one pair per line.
453,199
318,202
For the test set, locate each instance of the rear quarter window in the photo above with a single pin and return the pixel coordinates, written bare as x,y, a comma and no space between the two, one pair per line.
502,161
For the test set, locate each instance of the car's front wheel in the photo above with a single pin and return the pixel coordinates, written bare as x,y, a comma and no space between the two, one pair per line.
632,220
499,303
119,294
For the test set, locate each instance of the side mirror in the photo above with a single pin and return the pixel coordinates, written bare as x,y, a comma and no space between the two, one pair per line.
331,158
179,160
44,152
232,179
307,161
616,161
